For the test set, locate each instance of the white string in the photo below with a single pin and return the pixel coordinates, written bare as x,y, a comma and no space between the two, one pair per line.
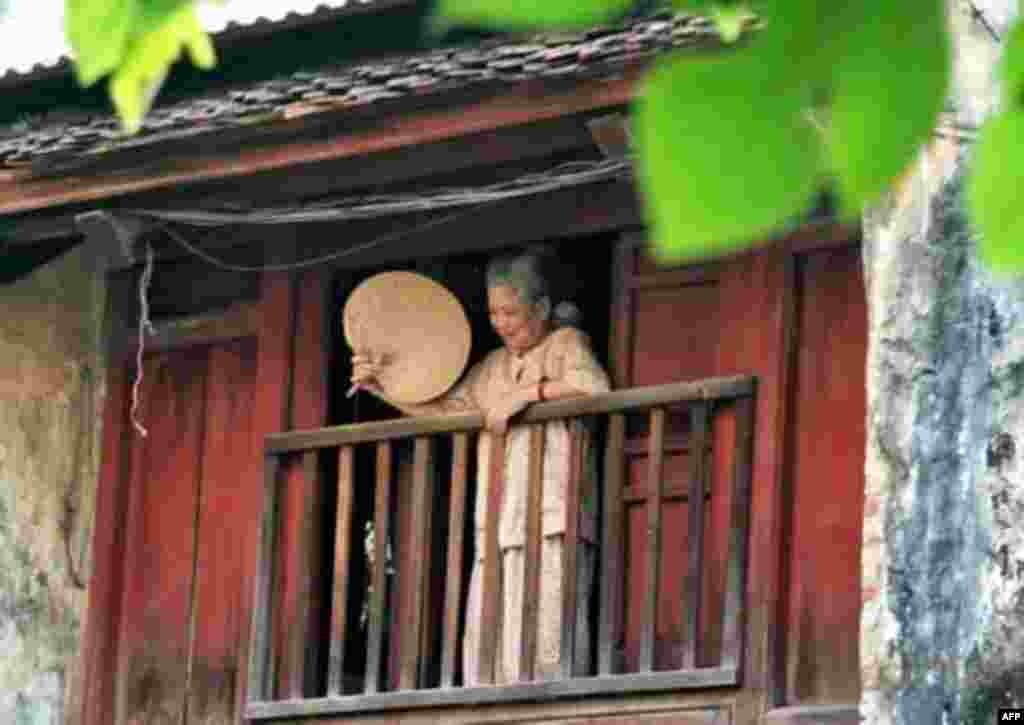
221,264
144,326
573,173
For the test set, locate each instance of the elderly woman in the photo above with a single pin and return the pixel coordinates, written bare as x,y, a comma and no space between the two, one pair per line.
542,359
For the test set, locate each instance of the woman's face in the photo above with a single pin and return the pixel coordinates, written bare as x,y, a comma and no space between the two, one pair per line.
514,321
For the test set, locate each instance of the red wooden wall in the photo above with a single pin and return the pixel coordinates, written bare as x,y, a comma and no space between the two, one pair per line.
797,320
178,511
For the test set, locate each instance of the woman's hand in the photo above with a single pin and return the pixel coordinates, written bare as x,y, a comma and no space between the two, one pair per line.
498,415
365,369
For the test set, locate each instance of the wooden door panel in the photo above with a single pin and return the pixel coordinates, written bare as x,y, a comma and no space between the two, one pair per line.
160,552
229,508
828,480
676,332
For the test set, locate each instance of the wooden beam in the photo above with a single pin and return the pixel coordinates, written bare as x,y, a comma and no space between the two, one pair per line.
547,691
510,108
617,401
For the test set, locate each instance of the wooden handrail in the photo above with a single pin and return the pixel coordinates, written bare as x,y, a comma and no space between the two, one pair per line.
412,667
617,401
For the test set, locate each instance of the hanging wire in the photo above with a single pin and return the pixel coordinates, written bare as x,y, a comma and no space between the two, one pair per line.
566,175
306,263
145,325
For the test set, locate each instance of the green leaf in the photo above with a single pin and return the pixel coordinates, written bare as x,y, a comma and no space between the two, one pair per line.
531,14
1013,67
993,192
730,20
726,155
890,77
98,32
148,58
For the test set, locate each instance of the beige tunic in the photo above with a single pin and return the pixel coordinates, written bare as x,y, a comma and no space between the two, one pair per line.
565,356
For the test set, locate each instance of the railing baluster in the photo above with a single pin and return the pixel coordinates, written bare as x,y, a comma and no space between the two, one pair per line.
736,573
342,547
381,526
303,650
649,623
570,555
488,625
412,606
534,534
610,627
695,533
261,649
456,546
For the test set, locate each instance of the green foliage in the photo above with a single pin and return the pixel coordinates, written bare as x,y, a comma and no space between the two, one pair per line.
735,147
993,188
879,114
531,14
135,42
719,169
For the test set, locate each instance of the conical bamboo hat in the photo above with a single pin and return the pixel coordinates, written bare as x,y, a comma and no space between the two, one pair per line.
417,326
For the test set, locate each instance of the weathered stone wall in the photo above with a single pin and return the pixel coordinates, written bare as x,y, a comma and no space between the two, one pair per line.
51,390
942,636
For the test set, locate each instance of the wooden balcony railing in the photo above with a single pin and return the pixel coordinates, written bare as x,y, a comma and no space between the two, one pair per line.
701,400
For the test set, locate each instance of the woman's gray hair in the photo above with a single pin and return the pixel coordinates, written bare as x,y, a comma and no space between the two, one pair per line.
528,275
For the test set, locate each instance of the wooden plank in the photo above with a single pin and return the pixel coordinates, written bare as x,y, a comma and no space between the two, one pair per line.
456,547
611,603
262,658
734,614
632,399
303,601
428,588
757,316
823,566
160,556
99,650
648,632
534,537
410,129
490,589
620,344
570,558
241,319
228,521
538,692
342,550
302,558
695,533
381,531
411,612
271,412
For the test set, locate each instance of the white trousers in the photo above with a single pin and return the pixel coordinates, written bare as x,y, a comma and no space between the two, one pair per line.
510,615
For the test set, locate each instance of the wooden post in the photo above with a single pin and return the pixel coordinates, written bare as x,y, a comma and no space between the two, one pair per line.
570,556
456,544
412,606
734,619
534,536
612,575
490,612
342,548
649,623
381,526
695,533
261,656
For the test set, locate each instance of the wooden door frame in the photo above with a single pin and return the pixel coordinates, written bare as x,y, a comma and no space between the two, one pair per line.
288,322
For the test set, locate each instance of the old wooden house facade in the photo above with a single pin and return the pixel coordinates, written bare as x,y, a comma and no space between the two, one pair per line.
231,576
